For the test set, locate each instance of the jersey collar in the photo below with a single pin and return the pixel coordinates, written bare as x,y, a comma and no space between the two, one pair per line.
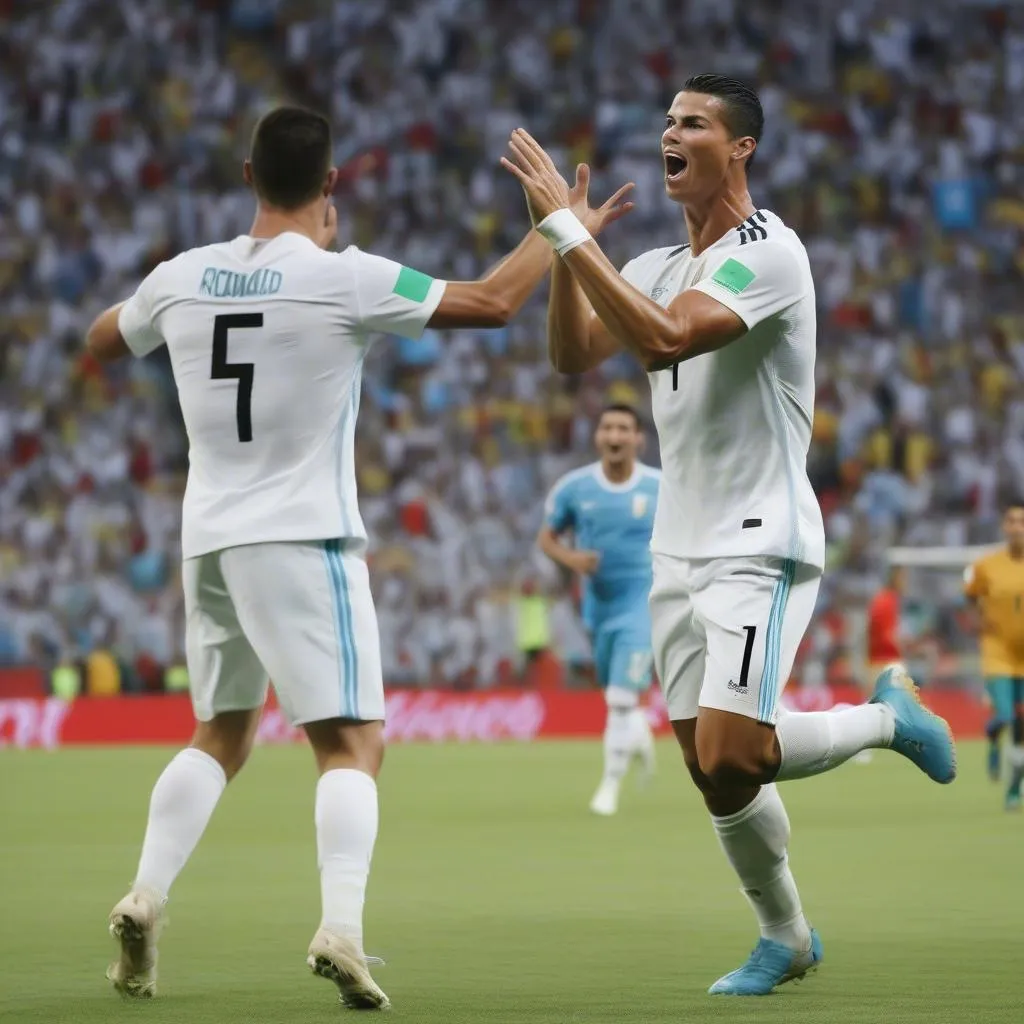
610,485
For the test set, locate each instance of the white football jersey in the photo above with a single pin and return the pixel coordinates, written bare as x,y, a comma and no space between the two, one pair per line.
735,425
267,339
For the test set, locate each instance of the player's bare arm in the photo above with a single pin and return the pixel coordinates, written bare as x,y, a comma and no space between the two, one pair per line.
103,340
582,562
693,324
577,340
494,299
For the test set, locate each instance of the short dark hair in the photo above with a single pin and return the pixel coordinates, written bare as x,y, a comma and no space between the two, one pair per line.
623,407
290,156
744,114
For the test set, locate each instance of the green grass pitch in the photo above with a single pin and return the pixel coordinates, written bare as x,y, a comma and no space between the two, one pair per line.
496,897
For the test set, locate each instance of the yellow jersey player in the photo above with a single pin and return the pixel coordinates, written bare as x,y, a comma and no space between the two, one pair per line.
995,584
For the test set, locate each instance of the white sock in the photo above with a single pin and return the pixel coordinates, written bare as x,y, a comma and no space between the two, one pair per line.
181,806
813,742
755,841
618,744
346,829
640,729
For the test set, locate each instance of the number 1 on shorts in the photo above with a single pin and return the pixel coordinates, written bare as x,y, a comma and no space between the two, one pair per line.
748,650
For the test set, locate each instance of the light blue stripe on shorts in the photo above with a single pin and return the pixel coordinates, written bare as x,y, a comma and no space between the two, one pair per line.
349,658
773,643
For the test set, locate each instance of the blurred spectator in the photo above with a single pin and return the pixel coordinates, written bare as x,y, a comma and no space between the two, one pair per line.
893,147
533,628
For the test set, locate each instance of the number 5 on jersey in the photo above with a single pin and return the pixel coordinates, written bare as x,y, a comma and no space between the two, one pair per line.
221,369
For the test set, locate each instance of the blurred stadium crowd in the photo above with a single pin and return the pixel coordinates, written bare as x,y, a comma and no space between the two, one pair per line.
894,146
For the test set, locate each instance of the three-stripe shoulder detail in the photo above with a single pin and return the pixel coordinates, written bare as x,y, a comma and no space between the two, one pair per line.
754,228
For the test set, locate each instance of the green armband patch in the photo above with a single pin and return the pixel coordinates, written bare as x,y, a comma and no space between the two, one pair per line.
412,285
734,276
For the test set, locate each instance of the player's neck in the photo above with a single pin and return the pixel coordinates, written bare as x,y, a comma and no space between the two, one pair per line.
708,220
1017,554
270,222
618,473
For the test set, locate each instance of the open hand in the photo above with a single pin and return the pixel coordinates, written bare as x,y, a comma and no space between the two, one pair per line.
546,190
595,220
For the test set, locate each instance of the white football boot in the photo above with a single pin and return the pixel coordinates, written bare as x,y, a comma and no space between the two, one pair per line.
135,922
340,960
606,799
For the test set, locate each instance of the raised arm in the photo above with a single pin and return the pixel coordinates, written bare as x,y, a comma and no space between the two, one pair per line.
694,323
103,339
127,328
577,340
494,299
718,310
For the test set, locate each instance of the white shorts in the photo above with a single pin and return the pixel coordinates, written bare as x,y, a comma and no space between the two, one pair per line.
726,631
298,613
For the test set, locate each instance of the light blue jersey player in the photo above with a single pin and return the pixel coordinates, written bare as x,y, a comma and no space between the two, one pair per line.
609,507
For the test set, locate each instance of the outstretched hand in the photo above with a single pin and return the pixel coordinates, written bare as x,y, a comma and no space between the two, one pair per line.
546,190
595,220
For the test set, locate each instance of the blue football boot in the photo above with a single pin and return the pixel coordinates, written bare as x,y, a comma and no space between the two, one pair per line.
920,735
769,965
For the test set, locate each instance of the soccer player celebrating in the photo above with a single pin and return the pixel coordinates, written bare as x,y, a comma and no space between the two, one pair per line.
724,323
267,334
609,507
996,584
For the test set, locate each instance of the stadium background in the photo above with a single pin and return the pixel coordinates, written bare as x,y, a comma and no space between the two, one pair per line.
894,147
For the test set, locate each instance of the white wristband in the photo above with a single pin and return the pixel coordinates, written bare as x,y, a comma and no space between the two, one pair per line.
564,231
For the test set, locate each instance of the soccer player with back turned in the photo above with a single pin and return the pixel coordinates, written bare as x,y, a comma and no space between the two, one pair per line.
267,334
724,323
995,584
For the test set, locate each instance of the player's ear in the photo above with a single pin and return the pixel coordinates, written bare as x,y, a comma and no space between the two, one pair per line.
744,148
247,173
331,182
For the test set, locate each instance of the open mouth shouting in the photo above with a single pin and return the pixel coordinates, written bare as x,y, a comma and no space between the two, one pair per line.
675,165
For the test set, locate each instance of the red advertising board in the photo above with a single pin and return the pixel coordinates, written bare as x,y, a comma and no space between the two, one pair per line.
413,715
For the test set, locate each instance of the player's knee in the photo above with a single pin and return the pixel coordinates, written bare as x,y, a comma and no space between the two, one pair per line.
727,763
228,739
230,755
339,743
229,752
734,751
700,780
